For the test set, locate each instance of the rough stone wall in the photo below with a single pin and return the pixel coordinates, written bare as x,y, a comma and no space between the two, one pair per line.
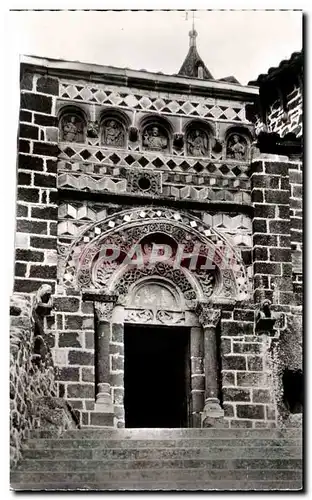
36,215
248,393
29,381
288,118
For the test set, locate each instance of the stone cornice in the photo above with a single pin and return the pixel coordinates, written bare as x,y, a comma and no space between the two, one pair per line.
139,79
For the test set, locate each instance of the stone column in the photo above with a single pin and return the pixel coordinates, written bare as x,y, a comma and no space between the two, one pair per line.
103,311
212,415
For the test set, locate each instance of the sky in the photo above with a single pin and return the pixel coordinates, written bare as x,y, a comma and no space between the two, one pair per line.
239,43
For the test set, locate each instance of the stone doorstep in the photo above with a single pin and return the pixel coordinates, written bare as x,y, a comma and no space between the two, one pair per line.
182,485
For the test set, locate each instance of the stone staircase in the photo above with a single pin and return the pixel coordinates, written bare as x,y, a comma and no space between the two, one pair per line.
161,459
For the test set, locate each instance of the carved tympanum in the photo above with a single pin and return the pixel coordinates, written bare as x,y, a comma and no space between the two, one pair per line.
72,129
236,147
113,133
197,143
154,138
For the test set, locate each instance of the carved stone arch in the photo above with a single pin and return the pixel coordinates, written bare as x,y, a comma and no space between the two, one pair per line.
198,138
72,122
156,133
223,279
113,128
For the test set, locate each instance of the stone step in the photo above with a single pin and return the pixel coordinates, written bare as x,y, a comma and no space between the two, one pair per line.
76,465
160,434
164,474
220,485
64,443
164,453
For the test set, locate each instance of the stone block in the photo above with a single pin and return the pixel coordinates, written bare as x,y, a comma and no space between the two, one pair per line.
36,102
234,394
48,213
261,396
243,315
228,378
44,272
116,349
117,333
66,304
24,178
198,382
226,346
29,255
102,419
277,197
45,180
87,374
28,131
26,81
279,226
276,168
45,149
20,269
267,268
264,211
255,363
235,328
28,162
265,240
68,374
51,166
89,340
81,391
228,410
21,210
259,226
25,285
45,120
52,134
260,253
80,358
69,339
23,146
73,322
280,255
25,116
48,85
28,194
252,379
234,362
257,166
250,411
240,424
44,242
257,196
117,363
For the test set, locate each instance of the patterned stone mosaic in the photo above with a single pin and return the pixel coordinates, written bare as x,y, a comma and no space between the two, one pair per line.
110,96
80,153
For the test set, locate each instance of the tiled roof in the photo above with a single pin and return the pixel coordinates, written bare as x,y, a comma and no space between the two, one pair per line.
295,60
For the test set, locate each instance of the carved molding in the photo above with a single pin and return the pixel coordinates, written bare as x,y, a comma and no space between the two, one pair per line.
160,316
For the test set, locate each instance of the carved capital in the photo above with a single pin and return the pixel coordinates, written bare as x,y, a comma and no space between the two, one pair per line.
104,310
208,317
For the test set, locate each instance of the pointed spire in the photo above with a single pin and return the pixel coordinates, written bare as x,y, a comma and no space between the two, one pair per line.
193,65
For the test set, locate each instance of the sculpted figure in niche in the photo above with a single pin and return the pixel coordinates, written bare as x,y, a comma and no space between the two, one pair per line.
197,143
72,129
236,148
153,139
113,133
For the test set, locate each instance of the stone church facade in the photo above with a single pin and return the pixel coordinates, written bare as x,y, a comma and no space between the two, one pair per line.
158,274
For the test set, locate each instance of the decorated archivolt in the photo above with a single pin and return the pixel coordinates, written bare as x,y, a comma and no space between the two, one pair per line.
135,244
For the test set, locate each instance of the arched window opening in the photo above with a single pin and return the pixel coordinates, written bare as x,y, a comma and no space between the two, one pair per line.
293,386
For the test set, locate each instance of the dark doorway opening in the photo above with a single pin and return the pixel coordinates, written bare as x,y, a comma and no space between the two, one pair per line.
293,390
157,376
